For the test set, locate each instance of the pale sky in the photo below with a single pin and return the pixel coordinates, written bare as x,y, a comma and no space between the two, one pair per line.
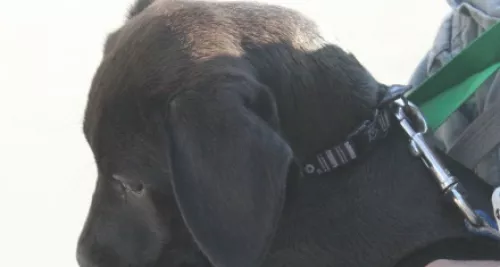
49,52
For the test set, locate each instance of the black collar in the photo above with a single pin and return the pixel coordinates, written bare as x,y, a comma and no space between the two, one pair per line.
359,141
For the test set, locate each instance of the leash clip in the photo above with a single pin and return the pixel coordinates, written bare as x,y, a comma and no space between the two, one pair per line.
409,115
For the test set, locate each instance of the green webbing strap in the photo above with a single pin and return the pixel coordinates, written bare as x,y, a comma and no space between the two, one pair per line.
439,108
444,92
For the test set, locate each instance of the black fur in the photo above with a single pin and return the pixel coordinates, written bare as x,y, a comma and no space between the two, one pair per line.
197,116
138,7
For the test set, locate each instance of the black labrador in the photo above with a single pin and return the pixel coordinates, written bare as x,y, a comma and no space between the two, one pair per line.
200,116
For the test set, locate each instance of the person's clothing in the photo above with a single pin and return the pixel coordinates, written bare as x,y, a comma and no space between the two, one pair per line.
468,20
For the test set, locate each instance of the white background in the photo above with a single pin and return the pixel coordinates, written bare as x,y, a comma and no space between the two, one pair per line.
48,53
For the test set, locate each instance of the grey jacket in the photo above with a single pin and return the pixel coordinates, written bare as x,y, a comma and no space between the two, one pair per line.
468,19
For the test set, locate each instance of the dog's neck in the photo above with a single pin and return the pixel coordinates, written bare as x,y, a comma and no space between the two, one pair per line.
318,108
375,211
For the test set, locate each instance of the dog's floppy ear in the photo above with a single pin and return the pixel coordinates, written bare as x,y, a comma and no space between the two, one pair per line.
229,170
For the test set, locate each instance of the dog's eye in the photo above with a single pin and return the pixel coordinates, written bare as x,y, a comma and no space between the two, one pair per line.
135,187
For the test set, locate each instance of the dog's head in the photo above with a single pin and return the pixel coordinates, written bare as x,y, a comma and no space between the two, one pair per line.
190,170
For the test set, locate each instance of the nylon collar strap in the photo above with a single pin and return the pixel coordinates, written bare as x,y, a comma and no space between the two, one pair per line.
359,141
356,143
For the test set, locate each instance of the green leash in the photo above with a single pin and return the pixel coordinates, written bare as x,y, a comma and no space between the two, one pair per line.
444,92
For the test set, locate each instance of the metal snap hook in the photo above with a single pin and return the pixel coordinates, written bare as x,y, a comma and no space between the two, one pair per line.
414,124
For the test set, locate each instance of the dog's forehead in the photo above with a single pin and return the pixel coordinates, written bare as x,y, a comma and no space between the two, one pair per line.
136,71
127,137
121,115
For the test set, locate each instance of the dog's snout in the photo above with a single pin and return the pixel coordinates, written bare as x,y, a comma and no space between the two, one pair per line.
92,256
94,248
116,246
120,232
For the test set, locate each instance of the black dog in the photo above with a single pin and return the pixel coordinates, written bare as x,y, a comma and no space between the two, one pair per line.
199,116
